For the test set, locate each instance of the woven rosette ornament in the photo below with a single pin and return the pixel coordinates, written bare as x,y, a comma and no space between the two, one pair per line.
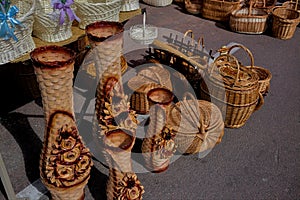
65,161
158,146
53,20
116,122
16,21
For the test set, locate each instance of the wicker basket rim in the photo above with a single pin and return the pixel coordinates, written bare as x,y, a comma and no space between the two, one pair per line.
236,13
276,14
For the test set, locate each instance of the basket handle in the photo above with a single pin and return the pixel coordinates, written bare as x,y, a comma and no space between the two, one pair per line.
191,36
30,12
245,49
193,113
200,42
226,62
260,102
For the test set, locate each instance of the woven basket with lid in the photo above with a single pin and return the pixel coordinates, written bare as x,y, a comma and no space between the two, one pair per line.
233,88
198,125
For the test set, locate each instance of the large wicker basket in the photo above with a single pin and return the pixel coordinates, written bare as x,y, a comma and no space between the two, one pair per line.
219,10
233,88
11,49
249,20
285,21
91,11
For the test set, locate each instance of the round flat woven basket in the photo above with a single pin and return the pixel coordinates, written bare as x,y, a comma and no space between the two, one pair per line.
90,11
11,49
198,125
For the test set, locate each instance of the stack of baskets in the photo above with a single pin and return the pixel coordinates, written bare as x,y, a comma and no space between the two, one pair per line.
23,43
90,11
249,20
285,21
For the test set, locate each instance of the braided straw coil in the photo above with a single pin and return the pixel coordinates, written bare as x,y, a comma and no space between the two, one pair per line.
11,49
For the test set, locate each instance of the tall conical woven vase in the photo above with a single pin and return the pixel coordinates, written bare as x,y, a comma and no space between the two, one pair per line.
65,162
158,146
123,185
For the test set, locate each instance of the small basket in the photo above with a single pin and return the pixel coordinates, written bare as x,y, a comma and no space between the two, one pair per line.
47,28
158,3
249,20
219,10
129,5
193,6
11,49
91,11
285,21
141,85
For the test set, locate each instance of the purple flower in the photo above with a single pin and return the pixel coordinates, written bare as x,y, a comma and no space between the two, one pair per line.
64,6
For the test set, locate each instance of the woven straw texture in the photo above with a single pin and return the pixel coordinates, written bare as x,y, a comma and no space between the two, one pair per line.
219,10
10,49
62,172
90,11
158,146
285,22
198,125
158,3
291,5
48,29
249,20
233,88
147,79
123,186
117,149
129,5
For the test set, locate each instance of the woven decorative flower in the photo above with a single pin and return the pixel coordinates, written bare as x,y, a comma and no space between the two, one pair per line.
8,22
130,188
61,8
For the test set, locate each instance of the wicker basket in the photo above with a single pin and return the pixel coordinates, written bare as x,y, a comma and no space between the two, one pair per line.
129,5
158,3
219,10
47,28
264,75
266,5
193,6
249,20
147,79
198,125
92,11
11,49
285,22
233,88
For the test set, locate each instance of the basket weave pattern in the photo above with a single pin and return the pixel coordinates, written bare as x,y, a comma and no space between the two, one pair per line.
158,3
10,49
219,10
90,12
